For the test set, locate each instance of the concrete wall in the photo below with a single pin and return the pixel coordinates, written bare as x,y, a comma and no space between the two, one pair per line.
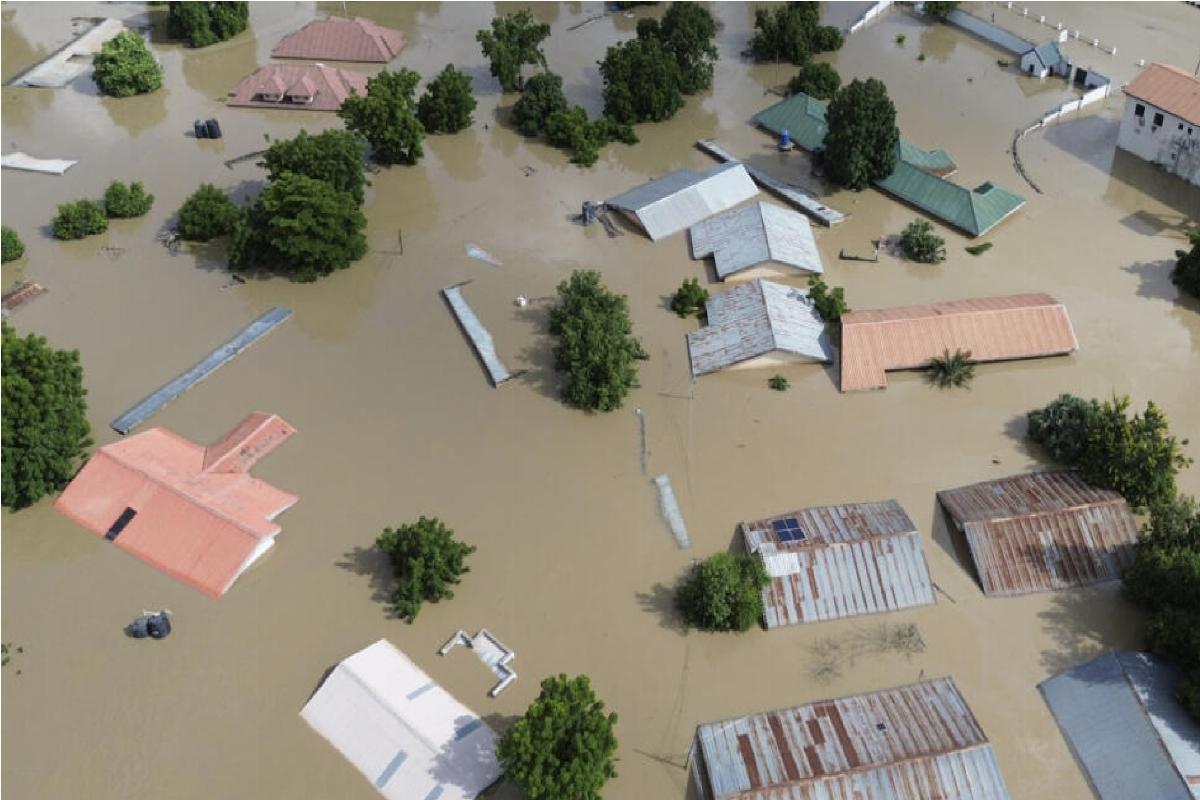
1174,145
1094,96
992,33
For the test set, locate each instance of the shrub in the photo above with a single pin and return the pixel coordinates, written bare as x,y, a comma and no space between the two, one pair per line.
386,117
125,202
334,156
541,99
642,82
447,105
862,140
13,247
815,79
207,214
900,39
939,10
951,369
829,303
978,249
689,300
125,66
514,40
427,561
920,243
1186,274
79,219
572,128
779,383
723,593
203,23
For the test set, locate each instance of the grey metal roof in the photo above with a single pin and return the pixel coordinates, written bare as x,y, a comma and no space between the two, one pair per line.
1047,53
909,743
859,558
755,319
751,235
683,198
479,336
1127,731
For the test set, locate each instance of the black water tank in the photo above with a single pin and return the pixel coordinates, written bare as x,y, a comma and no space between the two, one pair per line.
200,130
159,626
214,129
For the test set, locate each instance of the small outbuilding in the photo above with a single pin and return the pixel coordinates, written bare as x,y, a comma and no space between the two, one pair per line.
1045,59
679,200
341,39
406,734
758,324
302,87
760,240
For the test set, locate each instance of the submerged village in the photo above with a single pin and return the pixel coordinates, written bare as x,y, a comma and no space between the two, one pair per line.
662,400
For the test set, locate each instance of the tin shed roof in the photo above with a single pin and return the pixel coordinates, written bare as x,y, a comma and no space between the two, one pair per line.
754,319
828,562
683,198
992,328
1042,531
745,237
1129,734
1170,89
909,743
340,39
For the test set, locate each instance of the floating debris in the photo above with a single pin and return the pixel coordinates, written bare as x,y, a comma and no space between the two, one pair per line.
490,651
478,253
21,294
155,625
670,511
50,166
481,340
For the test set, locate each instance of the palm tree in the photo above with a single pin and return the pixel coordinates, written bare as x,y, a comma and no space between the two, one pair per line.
946,370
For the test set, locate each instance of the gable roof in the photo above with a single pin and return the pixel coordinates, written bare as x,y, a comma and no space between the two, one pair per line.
1042,531
341,39
744,237
1129,734
1170,89
1047,53
828,562
908,743
401,730
192,512
754,319
992,328
801,115
683,198
328,86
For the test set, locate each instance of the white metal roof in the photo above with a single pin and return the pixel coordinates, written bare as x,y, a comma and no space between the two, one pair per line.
681,199
755,319
745,237
402,730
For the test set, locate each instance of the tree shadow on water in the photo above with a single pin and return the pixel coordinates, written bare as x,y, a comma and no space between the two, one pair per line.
1088,621
660,600
470,754
1155,282
374,564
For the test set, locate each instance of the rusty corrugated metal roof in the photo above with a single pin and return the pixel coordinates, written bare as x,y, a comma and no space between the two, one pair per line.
340,39
913,742
992,328
828,562
1042,531
1170,89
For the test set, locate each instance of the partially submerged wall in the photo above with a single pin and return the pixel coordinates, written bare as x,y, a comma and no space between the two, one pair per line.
992,33
870,14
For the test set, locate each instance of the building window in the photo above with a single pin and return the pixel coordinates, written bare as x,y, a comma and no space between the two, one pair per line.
1139,110
1181,126
1158,120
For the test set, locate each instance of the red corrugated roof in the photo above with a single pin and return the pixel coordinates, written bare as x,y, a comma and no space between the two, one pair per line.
339,39
1170,89
329,86
199,516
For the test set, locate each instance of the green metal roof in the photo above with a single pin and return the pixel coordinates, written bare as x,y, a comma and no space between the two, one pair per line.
938,161
801,115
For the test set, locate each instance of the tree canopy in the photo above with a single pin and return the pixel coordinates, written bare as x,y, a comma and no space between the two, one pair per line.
13,247
1186,274
207,214
79,219
386,117
861,143
642,82
723,593
686,31
938,9
689,298
919,243
335,156
595,347
571,128
427,561
203,23
125,66
447,105
815,79
45,425
563,748
541,98
829,303
792,32
514,40
123,201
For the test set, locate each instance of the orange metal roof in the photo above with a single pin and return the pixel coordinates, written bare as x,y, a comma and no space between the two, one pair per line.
1170,89
196,512
340,39
992,328
329,86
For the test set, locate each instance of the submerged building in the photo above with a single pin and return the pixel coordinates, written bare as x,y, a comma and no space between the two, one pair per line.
1161,123
679,200
341,39
759,240
301,87
913,742
1045,59
190,511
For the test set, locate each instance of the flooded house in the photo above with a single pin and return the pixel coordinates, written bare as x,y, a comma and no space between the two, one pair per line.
909,743
1045,59
829,562
1161,123
308,87
679,200
760,240
341,39
1042,531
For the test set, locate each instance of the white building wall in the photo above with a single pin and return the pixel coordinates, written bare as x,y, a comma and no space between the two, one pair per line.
1032,65
1174,145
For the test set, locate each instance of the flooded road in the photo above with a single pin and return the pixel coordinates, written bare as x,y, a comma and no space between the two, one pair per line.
396,418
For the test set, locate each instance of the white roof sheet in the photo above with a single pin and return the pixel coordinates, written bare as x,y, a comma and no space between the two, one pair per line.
755,319
404,732
681,199
51,166
745,237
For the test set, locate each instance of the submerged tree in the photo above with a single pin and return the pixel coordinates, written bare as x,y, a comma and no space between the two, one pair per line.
829,303
920,243
541,98
13,247
79,219
939,9
387,117
861,144
642,82
514,40
815,79
951,369
1186,274
686,31
428,561
723,593
447,105
207,214
791,32
572,128
690,298
125,66
335,156
203,23
126,201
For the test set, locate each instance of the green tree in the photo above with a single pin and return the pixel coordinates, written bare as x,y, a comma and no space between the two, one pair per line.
125,66
791,32
447,105
951,369
595,347
13,247
79,219
861,144
541,98
723,593
207,214
300,227
815,79
427,561
203,23
386,117
939,10
829,303
689,300
686,31
563,748
1186,274
335,156
125,202
45,425
642,82
1061,427
572,128
918,242
514,40
779,383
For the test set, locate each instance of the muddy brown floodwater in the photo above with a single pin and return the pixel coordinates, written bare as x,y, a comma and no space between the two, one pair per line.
396,418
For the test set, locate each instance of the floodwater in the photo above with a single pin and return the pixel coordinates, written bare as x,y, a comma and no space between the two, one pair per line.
396,418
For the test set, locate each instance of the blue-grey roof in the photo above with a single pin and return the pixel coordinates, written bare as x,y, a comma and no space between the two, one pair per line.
1129,734
1048,53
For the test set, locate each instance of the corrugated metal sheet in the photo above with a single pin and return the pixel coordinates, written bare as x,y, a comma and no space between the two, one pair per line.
681,199
1170,89
861,558
755,319
809,204
1042,531
751,235
340,39
801,115
1127,731
992,328
481,340
914,742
